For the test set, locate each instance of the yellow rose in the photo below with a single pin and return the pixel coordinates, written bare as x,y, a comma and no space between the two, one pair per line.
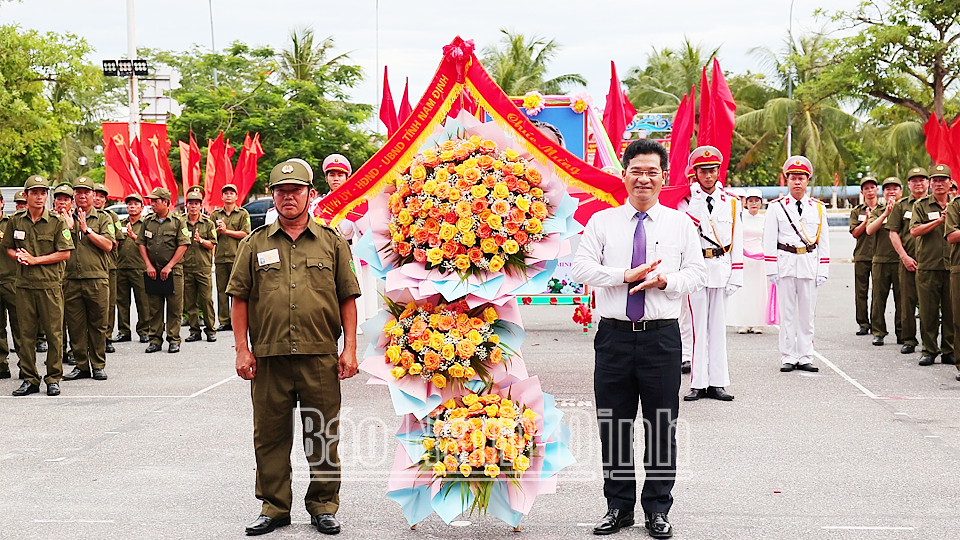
490,315
465,470
534,226
439,470
495,339
450,404
469,373
404,217
430,186
492,471
494,221
393,354
479,191
470,399
416,346
497,165
536,192
477,438
429,443
500,190
488,245
518,168
447,231
418,172
508,424
496,263
398,372
397,331
521,464
397,237
529,414
465,224
474,337
456,371
434,256
434,320
462,262
415,369
469,239
441,175
511,246
446,155
522,203
436,340
511,154
390,324
427,205
439,381
448,351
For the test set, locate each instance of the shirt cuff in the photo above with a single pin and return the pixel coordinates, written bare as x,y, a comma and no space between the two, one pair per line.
616,276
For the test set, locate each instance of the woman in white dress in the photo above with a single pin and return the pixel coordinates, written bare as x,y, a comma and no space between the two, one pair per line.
746,309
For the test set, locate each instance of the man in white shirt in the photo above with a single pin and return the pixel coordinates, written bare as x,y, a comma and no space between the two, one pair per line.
639,280
796,252
716,215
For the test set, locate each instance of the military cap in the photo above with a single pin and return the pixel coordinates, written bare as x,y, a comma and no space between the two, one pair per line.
917,171
336,162
20,197
100,187
194,195
290,172
941,171
707,157
35,181
159,193
739,192
754,192
230,186
63,189
691,173
892,181
867,180
134,196
83,182
798,164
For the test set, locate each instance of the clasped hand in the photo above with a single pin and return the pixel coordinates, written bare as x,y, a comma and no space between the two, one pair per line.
640,273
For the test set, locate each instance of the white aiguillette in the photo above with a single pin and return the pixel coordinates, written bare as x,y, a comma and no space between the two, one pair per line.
271,256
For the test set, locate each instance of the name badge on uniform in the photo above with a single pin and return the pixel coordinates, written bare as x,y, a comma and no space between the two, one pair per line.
123,229
933,215
271,256
907,215
148,234
19,235
861,217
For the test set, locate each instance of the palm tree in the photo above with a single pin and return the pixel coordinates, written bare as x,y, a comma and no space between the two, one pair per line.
308,61
668,75
519,65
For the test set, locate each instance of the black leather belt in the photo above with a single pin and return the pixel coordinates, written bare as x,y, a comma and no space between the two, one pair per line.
709,253
793,249
639,326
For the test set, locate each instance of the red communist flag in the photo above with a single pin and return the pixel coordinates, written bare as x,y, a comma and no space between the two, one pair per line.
156,148
947,151
189,163
723,109
704,129
932,132
116,175
245,175
615,118
680,138
388,111
405,108
212,178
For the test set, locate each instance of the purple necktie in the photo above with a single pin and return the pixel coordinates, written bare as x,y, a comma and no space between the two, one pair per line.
635,300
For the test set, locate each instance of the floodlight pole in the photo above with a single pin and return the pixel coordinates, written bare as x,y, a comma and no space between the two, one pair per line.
134,122
790,84
213,43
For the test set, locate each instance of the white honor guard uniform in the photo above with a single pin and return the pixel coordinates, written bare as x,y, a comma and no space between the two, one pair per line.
717,218
796,253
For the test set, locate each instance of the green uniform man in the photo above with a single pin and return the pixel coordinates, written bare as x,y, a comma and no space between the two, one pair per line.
294,290
933,269
863,252
952,230
233,225
41,242
162,245
130,270
86,291
885,268
100,202
898,225
197,269
8,303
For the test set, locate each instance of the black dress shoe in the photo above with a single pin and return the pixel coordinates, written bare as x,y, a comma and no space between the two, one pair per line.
264,525
192,337
153,347
173,348
958,375
211,339
908,349
26,389
787,368
69,359
863,331
53,389
695,394
615,520
658,525
717,392
77,373
808,367
109,348
326,523
685,367
948,359
878,341
99,375
42,346
122,337
5,374
225,328
144,338
926,360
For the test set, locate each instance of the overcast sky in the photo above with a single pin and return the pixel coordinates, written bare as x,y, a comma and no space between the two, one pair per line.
412,33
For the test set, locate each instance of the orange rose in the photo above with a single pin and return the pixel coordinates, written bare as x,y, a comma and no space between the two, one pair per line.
523,186
496,355
510,181
472,174
447,322
406,359
488,146
490,180
517,215
403,248
420,255
475,254
478,205
490,454
512,229
462,208
485,162
533,176
450,249
521,238
463,186
431,361
417,328
476,458
451,463
465,349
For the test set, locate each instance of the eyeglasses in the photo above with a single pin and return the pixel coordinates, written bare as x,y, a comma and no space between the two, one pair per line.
653,173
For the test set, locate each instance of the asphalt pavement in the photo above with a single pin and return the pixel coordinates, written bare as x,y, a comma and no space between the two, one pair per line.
869,447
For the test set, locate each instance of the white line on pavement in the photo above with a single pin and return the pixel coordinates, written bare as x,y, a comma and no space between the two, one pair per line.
848,378
865,528
212,386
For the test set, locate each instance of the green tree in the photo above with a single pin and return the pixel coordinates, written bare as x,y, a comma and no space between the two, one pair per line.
667,76
519,65
305,60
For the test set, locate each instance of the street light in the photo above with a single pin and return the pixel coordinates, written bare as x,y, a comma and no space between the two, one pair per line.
790,83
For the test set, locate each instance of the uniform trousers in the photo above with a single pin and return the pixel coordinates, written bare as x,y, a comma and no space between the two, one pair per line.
131,279
197,297
797,302
281,383
222,271
86,304
174,311
638,368
885,277
908,305
112,318
955,301
8,306
936,313
43,308
861,280
709,359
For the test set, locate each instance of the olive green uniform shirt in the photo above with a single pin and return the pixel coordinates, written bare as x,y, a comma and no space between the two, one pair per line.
162,238
128,253
899,221
114,256
866,243
87,260
48,235
227,246
952,224
933,252
884,252
293,289
197,257
8,266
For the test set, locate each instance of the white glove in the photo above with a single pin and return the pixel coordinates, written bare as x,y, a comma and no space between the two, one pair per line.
821,280
731,289
773,278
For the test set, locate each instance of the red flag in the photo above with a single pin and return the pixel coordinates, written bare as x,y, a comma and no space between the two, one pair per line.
245,175
123,161
190,163
114,176
947,152
615,118
212,179
704,129
932,132
388,111
155,148
723,109
405,108
680,138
